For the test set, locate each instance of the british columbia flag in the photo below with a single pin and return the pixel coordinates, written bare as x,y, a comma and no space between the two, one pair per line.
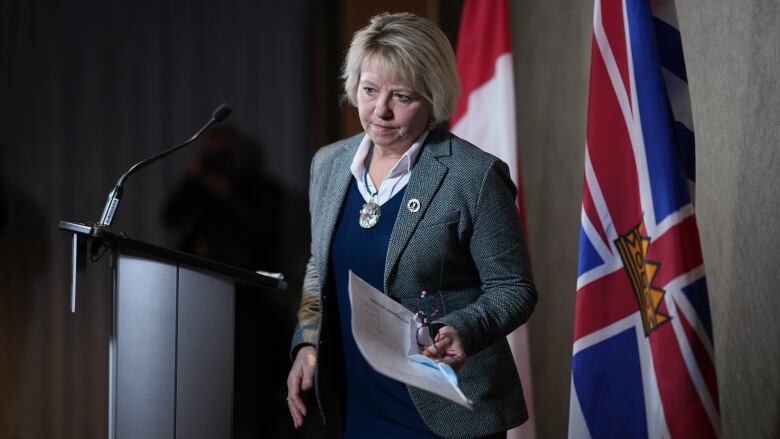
643,363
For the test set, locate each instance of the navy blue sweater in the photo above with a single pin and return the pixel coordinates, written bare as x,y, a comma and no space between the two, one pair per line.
375,406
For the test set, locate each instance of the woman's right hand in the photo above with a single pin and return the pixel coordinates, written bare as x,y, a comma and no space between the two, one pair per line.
299,382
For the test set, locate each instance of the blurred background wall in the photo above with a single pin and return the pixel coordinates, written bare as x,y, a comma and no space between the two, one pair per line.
733,52
88,88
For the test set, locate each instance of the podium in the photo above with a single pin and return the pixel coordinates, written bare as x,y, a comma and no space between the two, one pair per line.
172,335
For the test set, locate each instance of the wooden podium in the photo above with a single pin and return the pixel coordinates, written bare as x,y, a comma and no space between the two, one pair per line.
171,343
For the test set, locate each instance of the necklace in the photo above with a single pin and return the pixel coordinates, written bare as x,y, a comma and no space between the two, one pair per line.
370,213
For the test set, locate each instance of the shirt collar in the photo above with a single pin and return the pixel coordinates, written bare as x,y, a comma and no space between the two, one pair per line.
404,165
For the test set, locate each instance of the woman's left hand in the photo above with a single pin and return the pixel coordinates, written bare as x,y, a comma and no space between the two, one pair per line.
447,348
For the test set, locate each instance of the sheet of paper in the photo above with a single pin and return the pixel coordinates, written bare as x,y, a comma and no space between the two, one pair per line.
385,332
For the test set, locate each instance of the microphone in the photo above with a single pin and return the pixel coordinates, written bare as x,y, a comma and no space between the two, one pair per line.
115,196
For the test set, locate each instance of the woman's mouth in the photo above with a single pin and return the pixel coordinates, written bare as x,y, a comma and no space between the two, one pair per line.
383,128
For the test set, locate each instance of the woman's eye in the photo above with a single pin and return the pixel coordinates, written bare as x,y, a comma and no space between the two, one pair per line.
402,98
369,90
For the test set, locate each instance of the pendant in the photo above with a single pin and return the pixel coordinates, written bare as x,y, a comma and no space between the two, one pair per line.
369,214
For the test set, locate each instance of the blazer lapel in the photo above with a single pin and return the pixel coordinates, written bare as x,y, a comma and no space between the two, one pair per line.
339,179
425,180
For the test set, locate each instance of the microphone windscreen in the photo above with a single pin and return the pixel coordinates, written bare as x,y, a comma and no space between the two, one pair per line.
221,112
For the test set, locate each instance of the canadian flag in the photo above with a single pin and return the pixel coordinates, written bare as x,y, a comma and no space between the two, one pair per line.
486,118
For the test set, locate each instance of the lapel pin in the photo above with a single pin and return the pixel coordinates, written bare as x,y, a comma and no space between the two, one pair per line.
413,205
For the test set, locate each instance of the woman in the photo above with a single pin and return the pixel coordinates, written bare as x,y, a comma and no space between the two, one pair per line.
409,207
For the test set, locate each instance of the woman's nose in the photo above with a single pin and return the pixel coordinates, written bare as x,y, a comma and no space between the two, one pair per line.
382,108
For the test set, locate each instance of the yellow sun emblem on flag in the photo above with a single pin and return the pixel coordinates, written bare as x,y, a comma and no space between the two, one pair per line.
633,251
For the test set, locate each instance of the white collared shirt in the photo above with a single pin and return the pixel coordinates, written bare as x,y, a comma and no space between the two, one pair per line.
395,180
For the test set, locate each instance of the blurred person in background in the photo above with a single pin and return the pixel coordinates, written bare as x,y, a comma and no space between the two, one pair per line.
225,209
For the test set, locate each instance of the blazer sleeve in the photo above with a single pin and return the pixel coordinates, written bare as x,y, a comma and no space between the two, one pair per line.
309,312
498,250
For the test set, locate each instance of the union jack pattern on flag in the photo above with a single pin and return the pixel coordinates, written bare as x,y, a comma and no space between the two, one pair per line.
643,363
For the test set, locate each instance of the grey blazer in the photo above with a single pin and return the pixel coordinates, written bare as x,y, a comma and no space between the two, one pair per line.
465,241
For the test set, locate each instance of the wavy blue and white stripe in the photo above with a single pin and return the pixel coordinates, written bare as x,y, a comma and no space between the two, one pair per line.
670,52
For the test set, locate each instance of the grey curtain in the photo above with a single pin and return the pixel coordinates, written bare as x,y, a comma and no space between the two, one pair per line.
86,89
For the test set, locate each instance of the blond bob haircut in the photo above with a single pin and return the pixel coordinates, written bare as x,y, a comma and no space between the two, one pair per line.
411,49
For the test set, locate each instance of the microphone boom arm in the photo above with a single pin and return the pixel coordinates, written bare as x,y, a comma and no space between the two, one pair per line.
109,210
